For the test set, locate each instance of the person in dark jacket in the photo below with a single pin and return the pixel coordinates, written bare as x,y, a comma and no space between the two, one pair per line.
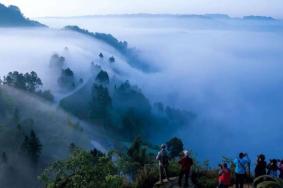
261,165
186,163
273,168
281,169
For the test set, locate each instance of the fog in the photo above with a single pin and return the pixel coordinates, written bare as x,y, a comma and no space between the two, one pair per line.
26,50
228,72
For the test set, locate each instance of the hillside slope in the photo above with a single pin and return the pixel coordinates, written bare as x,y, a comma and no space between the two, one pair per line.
12,16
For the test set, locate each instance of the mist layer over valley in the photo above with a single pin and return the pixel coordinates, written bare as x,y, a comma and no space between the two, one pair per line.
227,71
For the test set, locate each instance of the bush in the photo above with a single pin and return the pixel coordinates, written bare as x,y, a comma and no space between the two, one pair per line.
206,179
146,177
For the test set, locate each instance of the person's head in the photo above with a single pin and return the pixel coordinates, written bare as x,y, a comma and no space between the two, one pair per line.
225,165
241,155
186,153
260,158
274,162
163,146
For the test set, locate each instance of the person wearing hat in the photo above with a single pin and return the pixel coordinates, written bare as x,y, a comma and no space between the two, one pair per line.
163,161
186,163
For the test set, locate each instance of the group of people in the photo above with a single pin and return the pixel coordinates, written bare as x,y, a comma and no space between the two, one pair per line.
242,169
241,165
185,162
272,169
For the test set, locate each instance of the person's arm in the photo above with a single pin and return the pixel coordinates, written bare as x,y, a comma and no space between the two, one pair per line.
248,159
235,162
158,156
220,172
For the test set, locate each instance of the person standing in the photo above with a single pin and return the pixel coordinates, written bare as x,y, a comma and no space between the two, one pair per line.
273,168
261,165
281,169
186,163
224,176
163,161
241,164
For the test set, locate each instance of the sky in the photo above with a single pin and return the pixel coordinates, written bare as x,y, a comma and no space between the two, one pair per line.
42,8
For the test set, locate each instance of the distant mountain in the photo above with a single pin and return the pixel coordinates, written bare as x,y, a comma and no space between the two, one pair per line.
262,18
12,17
193,16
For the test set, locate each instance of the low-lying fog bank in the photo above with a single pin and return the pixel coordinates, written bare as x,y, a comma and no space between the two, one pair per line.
230,76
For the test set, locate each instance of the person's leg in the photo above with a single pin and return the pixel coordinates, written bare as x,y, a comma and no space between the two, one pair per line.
180,178
242,180
160,173
237,180
166,172
187,178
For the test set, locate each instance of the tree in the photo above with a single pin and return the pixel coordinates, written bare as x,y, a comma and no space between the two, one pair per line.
82,169
15,79
28,81
101,102
32,147
102,77
101,55
32,81
47,95
137,152
112,59
67,79
57,62
175,147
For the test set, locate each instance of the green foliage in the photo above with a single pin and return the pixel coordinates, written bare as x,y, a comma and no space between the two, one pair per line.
28,81
67,79
47,95
101,102
175,146
207,182
137,152
173,168
147,176
82,169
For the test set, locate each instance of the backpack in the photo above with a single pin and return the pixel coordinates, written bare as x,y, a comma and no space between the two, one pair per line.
164,159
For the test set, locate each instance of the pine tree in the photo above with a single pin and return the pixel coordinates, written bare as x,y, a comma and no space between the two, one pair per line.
32,147
35,147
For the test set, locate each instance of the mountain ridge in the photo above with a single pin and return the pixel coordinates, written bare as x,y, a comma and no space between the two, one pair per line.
11,16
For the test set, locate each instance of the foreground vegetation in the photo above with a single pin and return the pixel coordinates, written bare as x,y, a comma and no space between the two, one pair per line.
134,167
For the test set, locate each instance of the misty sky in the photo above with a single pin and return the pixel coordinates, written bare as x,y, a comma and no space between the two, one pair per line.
39,8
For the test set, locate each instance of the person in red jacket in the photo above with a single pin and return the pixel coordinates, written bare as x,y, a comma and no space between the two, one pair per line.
224,178
186,163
